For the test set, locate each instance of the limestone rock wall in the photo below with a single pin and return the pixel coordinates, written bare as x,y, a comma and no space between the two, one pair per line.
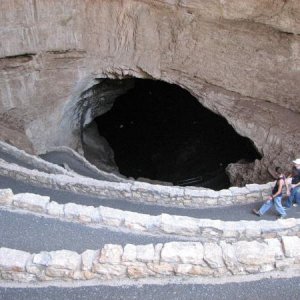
239,58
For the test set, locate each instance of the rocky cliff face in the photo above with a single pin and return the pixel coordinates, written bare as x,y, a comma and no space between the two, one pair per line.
240,59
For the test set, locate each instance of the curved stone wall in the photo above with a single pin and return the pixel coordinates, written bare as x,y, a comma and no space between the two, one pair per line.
204,230
161,260
141,192
240,60
278,249
210,248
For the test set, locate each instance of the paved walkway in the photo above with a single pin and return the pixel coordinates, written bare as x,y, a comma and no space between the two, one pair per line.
34,234
230,213
59,158
266,289
12,159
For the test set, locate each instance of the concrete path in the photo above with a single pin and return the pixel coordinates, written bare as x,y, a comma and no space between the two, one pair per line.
59,158
34,234
266,289
12,159
231,213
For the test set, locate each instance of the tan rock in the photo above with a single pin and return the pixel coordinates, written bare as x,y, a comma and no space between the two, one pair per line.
110,216
63,263
157,252
88,257
230,230
183,252
42,258
138,270
32,202
183,269
137,221
291,246
275,246
201,271
89,214
213,255
253,230
55,209
12,260
111,254
230,259
130,252
285,263
72,211
6,197
58,273
162,268
179,225
108,271
88,275
18,276
145,253
254,253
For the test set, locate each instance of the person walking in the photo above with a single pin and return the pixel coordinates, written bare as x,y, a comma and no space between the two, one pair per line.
294,192
275,198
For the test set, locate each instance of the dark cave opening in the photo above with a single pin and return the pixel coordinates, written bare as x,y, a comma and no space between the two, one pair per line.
161,132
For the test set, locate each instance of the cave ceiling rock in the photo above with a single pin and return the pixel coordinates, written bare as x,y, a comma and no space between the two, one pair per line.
241,59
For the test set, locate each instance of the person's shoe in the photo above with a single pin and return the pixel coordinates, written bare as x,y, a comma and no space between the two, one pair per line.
282,217
256,212
286,207
295,205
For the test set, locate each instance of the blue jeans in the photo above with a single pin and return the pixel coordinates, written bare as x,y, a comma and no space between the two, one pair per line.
297,196
294,197
277,202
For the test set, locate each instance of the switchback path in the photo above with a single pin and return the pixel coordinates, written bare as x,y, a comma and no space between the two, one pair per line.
61,157
267,289
230,213
34,234
12,159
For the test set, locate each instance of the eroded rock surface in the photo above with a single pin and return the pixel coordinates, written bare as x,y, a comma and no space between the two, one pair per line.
239,59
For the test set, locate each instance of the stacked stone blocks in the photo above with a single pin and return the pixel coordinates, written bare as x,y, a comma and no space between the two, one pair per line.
204,230
160,260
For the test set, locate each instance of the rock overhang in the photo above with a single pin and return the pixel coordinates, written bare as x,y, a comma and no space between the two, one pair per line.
239,60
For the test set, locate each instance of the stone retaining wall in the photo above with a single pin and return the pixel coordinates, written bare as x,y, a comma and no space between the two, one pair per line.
160,260
141,192
51,168
88,165
33,160
203,230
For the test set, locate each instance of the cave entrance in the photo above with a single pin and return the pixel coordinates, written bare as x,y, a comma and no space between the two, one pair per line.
161,132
